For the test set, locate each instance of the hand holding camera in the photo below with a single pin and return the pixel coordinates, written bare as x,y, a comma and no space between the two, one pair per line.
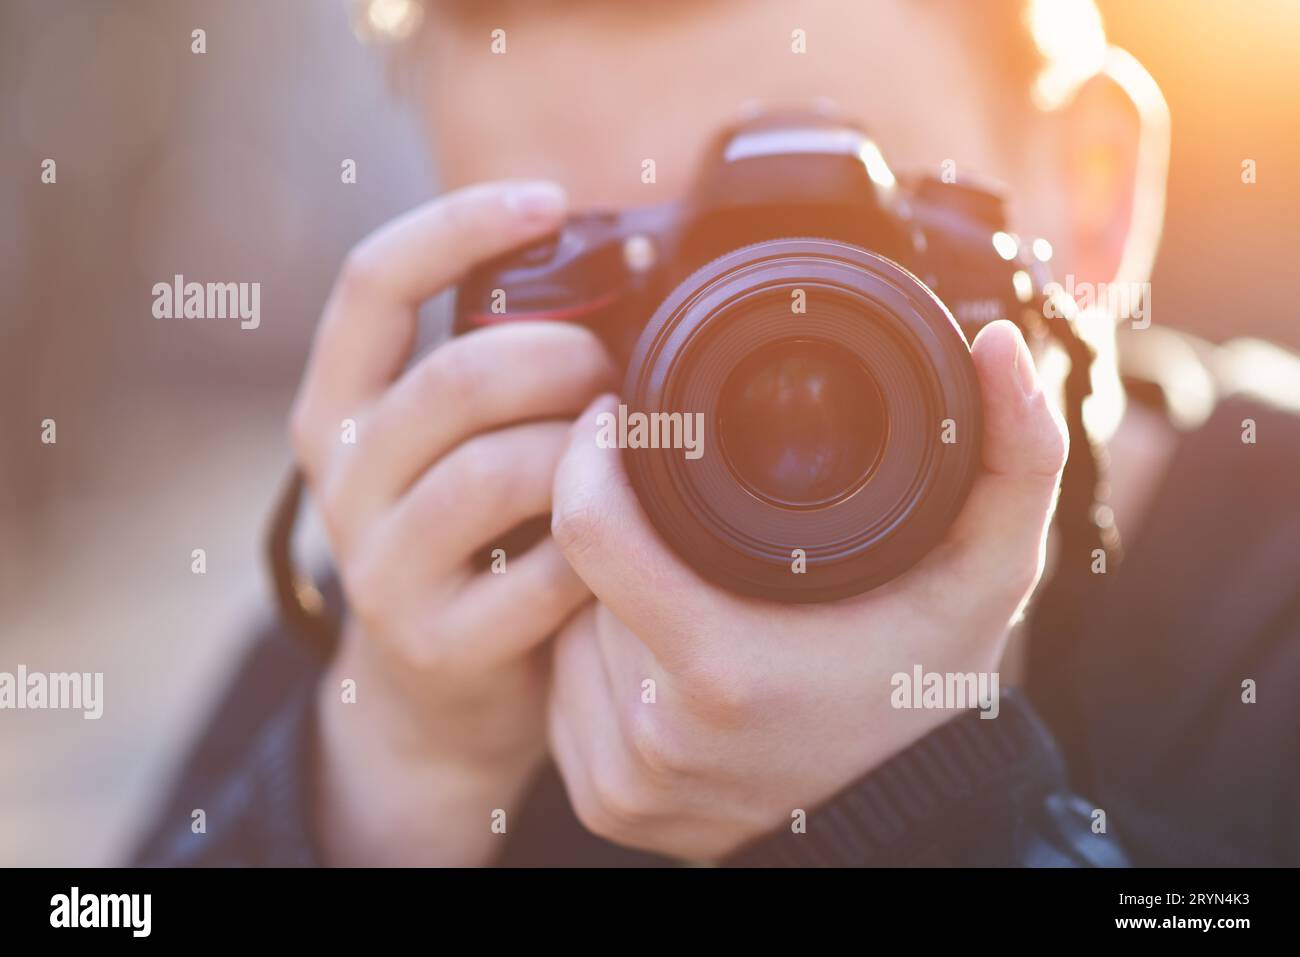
824,444
447,657
760,707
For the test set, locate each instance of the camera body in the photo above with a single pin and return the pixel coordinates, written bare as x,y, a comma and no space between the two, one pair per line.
813,311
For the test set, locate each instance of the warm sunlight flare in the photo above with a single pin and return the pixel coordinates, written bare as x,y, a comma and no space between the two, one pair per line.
1070,37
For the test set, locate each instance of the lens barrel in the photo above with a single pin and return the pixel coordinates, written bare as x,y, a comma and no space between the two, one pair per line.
841,419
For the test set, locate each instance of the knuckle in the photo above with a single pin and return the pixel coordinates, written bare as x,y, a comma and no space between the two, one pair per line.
363,584
1054,446
620,794
427,652
1016,578
478,468
722,692
1013,576
592,815
1061,452
420,647
362,272
555,590
1062,434
1024,574
454,375
652,744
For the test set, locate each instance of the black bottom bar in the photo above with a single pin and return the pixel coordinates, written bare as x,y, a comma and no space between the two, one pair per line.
335,906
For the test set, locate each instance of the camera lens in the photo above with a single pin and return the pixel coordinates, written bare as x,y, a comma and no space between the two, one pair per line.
802,423
839,439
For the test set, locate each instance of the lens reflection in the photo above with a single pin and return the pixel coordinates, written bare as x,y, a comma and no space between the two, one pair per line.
802,423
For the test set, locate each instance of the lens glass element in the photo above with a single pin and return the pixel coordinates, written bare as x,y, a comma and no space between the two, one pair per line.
802,423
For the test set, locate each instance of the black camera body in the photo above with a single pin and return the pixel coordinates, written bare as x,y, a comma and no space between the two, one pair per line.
812,312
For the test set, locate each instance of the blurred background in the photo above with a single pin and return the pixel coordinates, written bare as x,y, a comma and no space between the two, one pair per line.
227,166
224,166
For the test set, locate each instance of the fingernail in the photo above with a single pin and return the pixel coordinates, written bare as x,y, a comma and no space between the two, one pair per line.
535,201
1026,375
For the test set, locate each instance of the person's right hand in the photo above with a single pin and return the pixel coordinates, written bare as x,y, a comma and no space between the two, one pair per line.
448,724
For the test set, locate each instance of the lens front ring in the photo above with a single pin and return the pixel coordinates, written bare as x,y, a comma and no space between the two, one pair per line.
884,318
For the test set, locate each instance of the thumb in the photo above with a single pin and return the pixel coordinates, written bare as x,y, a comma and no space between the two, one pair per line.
609,541
1004,523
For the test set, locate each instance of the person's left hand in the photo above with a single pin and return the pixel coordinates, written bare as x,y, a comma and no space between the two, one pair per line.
757,708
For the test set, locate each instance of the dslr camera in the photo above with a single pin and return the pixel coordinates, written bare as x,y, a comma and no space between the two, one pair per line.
811,311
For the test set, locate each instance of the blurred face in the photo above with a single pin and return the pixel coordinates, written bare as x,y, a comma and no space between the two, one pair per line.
589,89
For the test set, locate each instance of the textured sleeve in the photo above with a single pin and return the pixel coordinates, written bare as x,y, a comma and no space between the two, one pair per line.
249,774
973,792
256,816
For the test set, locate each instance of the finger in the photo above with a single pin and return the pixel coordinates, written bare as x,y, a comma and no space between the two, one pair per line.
607,538
481,490
490,378
628,662
369,324
583,739
580,686
569,758
605,772
1002,528
414,257
509,613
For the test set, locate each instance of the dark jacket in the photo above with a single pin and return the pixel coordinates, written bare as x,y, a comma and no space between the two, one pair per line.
1158,734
